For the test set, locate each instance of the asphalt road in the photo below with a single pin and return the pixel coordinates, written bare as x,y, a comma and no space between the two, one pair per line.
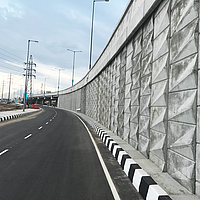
50,156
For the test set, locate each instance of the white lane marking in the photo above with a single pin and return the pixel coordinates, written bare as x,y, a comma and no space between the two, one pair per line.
109,179
40,127
28,136
50,120
47,122
6,150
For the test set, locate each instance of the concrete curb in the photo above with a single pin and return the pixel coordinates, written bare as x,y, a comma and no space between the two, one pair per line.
143,183
14,116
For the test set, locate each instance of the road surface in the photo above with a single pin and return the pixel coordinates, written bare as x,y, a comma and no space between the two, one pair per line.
50,156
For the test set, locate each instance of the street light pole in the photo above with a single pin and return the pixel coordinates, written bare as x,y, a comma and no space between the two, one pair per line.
25,92
73,64
92,27
59,79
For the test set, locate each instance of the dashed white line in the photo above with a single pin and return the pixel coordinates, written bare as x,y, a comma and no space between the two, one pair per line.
6,150
28,136
40,127
47,123
50,120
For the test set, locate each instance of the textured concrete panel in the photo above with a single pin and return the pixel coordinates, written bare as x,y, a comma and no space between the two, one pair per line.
182,106
137,46
135,97
145,85
129,61
144,124
181,169
183,74
127,106
148,27
159,70
161,44
147,44
128,91
161,19
158,95
183,12
181,138
158,149
184,42
198,125
158,119
145,105
134,131
137,63
135,114
198,163
146,65
143,145
136,80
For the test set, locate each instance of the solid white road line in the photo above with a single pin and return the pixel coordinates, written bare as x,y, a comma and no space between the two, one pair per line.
6,150
109,179
28,136
40,127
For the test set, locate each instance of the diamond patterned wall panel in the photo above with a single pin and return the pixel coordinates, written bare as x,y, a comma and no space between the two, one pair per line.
184,43
145,105
145,85
159,119
181,169
144,124
160,69
143,145
133,139
147,44
135,97
146,65
159,94
161,46
181,139
183,12
182,106
135,114
137,47
161,21
183,74
158,149
136,63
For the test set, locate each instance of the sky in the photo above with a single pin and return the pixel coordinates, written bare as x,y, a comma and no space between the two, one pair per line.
57,25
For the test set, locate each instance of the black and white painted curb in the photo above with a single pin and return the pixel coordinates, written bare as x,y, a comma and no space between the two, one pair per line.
143,183
8,117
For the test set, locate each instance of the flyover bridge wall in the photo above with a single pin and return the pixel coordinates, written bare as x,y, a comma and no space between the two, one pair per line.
145,86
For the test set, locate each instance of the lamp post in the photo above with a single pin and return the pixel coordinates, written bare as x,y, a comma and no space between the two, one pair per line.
59,79
45,85
25,92
92,27
73,64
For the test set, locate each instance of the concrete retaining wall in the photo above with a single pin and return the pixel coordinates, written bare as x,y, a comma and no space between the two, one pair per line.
144,86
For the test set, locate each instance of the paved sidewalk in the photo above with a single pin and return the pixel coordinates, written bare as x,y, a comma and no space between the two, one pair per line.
7,115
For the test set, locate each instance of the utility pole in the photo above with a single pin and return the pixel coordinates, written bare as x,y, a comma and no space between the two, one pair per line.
3,84
9,87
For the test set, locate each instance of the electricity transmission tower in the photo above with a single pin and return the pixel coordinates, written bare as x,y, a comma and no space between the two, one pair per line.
30,69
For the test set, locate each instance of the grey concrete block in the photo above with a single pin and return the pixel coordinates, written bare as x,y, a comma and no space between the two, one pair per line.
181,169
160,69
182,106
159,119
182,75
